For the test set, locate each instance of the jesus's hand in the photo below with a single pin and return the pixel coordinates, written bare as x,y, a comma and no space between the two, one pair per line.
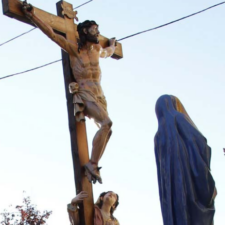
28,10
112,42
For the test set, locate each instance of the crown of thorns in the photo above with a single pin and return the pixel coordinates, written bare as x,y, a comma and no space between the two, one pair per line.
86,24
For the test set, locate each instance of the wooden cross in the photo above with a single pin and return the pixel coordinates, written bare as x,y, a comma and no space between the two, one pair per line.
64,24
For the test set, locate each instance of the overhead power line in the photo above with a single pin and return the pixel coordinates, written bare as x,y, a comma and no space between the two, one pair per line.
166,24
174,21
18,36
26,71
151,29
82,4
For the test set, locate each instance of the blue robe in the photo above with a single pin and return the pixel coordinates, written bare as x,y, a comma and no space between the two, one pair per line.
186,185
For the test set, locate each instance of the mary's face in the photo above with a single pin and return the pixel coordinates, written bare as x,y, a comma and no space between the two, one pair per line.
110,197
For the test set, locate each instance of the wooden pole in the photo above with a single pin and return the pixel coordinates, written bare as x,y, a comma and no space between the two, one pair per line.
78,135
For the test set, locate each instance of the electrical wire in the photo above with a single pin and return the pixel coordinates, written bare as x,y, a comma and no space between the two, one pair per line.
26,71
174,21
166,24
18,36
82,4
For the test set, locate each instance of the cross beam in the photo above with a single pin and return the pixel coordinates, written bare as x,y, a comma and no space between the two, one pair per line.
12,8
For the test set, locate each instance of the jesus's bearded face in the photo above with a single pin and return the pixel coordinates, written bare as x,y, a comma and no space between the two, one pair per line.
92,34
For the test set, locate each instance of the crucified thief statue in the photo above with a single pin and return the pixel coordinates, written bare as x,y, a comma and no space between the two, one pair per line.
89,99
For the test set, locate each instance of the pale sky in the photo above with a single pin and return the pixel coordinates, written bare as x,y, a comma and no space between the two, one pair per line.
185,59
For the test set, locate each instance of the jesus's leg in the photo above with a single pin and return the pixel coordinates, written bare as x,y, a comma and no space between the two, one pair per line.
100,116
108,137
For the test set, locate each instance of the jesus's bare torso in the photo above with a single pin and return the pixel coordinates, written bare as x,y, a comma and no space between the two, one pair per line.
86,69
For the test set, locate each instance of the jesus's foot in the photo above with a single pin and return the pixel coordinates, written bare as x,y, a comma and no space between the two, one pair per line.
92,172
90,177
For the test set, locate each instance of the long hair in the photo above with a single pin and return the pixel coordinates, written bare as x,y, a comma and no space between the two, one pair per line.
82,36
99,203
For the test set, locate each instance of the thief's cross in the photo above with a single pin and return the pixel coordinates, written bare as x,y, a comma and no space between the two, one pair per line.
64,24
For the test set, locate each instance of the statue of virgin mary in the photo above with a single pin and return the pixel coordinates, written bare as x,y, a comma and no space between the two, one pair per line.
186,186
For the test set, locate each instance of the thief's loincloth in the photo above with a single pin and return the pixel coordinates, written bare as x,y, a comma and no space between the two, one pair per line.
79,98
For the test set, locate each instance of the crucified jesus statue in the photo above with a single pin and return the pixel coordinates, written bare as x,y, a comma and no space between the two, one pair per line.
88,96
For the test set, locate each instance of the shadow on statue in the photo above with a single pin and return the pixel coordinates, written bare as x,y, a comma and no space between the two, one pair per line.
186,186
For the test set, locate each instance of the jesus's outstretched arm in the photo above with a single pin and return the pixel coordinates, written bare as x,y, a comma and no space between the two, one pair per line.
69,47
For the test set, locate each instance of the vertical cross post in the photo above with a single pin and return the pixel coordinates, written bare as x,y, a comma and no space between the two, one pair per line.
78,135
